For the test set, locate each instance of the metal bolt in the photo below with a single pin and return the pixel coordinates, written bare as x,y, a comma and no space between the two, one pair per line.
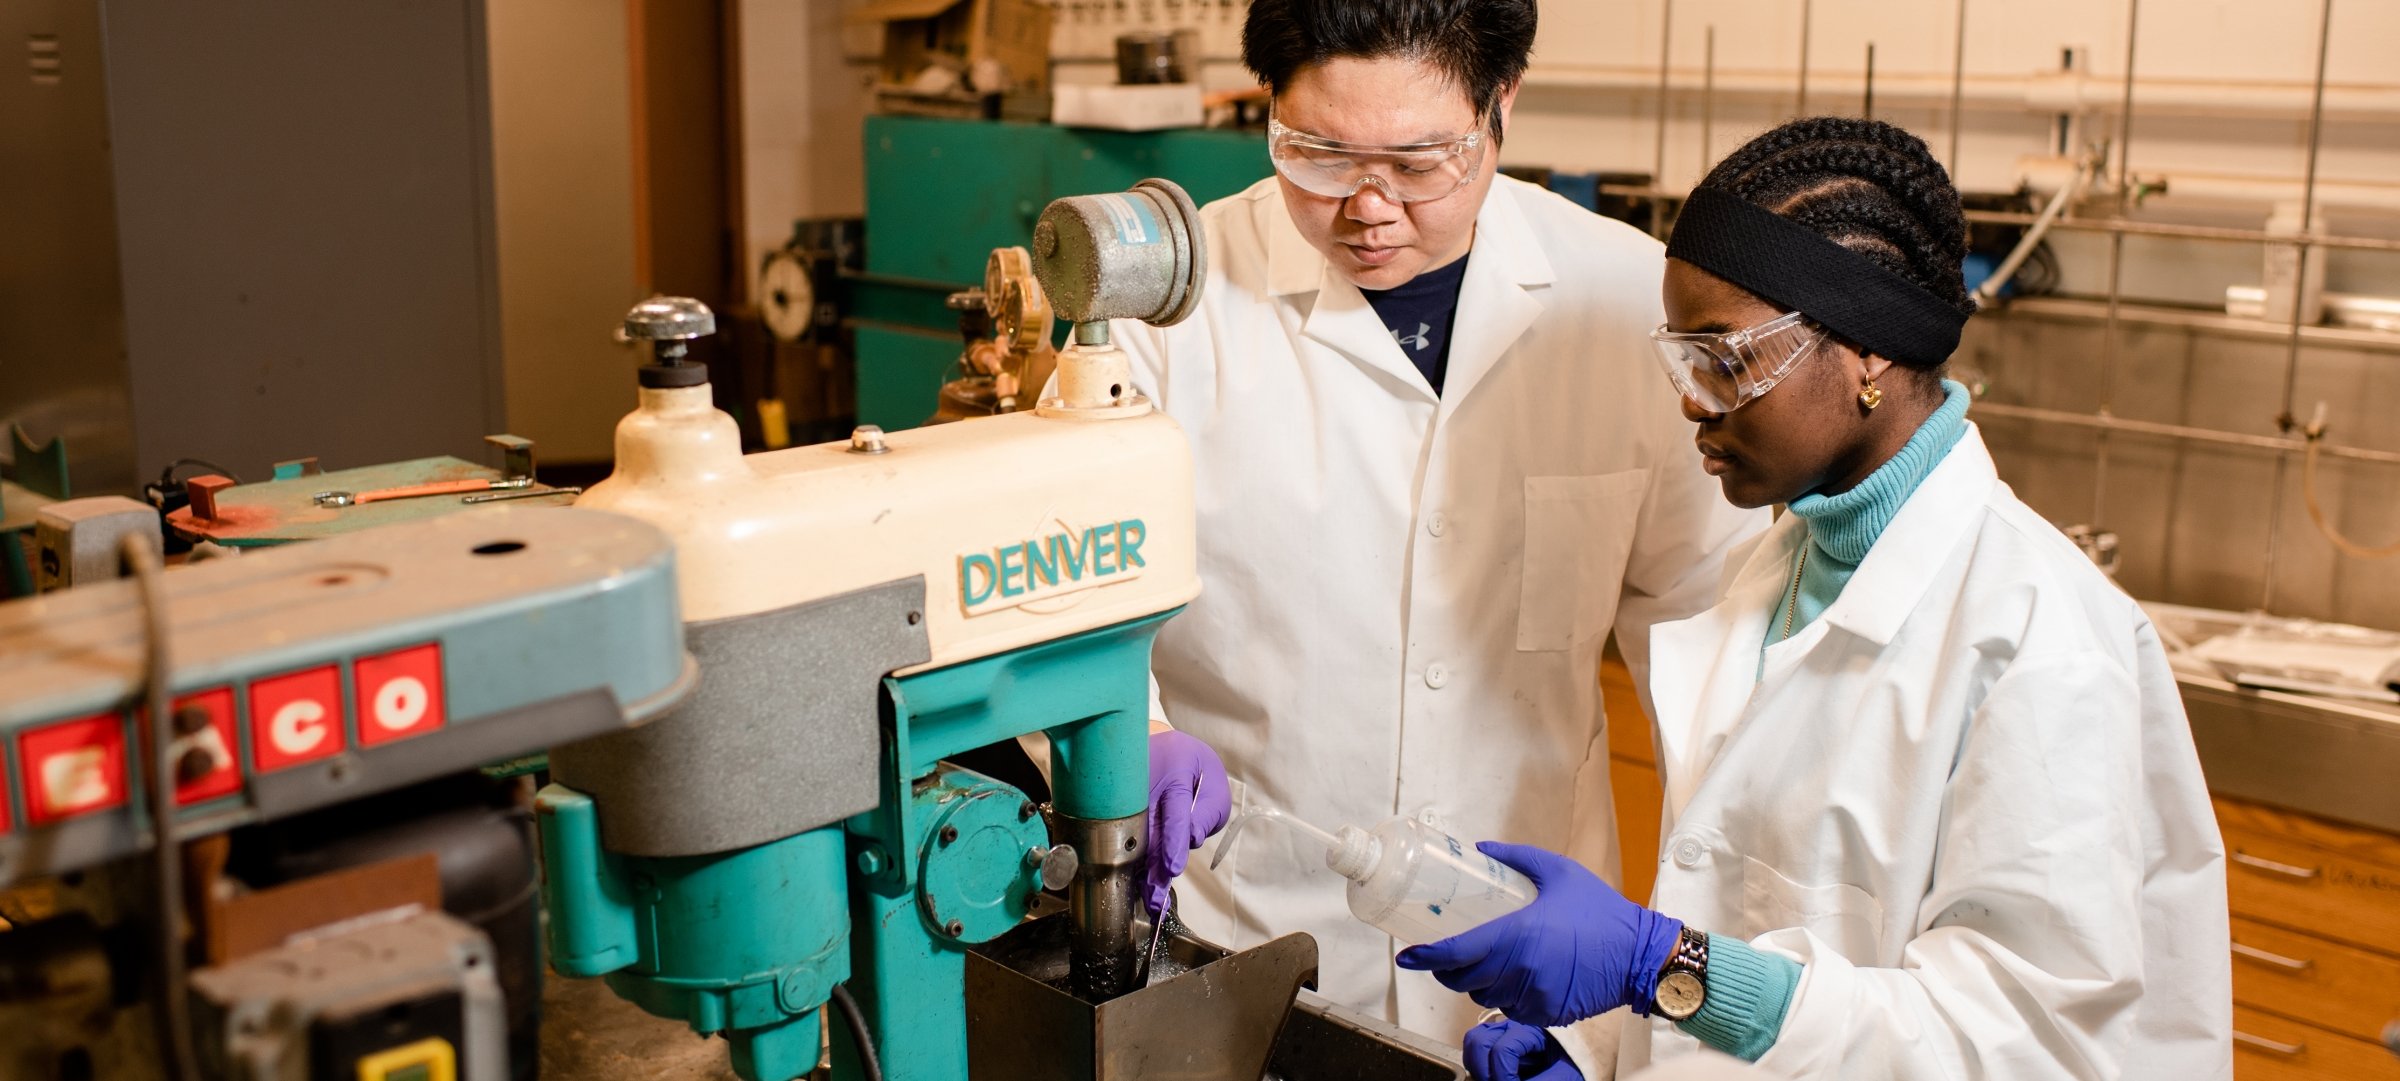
949,834
190,719
868,439
954,929
1059,865
193,765
870,861
1026,811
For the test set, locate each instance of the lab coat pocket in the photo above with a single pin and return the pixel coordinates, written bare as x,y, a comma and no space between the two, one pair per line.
1578,532
1845,917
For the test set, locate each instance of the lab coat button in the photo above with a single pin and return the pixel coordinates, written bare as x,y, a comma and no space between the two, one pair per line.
1689,852
1436,676
1438,524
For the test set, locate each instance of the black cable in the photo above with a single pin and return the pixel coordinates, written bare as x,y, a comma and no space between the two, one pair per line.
173,1014
848,1006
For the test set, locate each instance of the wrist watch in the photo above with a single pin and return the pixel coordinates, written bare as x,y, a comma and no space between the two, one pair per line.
1683,981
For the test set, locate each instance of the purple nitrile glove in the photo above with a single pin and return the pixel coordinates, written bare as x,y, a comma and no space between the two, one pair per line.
1508,1051
1579,950
1178,824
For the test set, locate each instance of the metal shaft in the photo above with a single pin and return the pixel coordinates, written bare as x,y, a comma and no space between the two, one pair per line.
2116,269
1658,168
2291,363
1104,903
1708,101
1958,89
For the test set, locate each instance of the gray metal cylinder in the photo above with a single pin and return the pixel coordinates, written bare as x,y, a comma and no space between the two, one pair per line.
1104,903
1137,254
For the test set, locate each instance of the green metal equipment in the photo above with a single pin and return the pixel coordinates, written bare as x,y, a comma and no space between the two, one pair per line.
941,193
793,834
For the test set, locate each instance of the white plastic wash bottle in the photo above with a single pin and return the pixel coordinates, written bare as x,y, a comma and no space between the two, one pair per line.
1414,882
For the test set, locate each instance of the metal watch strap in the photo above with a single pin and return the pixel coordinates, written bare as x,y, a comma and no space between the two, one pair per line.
1682,988
1691,954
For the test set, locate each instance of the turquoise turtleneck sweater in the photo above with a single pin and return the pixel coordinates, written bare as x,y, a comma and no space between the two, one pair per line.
1750,991
1841,528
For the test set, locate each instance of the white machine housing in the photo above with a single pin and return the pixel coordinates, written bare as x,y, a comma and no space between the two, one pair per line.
1026,527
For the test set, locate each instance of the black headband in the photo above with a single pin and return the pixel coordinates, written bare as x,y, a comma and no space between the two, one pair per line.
1788,264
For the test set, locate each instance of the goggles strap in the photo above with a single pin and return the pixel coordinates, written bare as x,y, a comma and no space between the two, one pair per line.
1790,265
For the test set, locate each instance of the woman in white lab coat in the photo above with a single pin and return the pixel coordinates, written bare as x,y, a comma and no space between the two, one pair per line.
1932,808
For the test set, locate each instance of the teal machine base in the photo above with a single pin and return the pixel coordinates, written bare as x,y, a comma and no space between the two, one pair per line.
750,943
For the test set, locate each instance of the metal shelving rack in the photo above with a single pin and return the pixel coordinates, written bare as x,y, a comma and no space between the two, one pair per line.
2296,436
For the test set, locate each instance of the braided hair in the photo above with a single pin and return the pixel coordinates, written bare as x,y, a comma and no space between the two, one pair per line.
1869,186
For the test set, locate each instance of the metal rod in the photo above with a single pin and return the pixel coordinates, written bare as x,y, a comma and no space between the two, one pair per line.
1991,287
1658,173
1958,89
1869,112
2279,445
2133,22
2291,364
2164,229
2308,211
2116,270
1800,106
2108,369
1708,100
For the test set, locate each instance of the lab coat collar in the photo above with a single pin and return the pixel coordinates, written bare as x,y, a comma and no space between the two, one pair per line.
1900,567
1496,303
1702,669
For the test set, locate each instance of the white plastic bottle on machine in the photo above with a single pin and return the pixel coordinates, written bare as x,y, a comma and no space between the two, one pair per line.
1414,882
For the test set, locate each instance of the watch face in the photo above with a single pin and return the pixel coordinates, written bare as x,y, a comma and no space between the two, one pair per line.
1680,995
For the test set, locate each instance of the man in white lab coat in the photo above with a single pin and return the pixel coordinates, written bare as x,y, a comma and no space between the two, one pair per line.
1436,466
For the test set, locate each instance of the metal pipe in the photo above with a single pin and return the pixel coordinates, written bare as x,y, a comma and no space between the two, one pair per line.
1658,172
2116,269
2133,22
2308,208
1958,88
1104,902
1800,107
1869,108
1991,287
1708,100
2163,229
2291,364
2108,369
2187,433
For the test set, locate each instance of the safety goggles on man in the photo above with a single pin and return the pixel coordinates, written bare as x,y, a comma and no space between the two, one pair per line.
1413,173
1724,372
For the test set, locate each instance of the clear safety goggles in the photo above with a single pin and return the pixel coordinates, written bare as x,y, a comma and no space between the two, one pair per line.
1724,372
1413,173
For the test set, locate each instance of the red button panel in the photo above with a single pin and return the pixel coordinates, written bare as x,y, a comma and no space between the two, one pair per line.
399,694
295,718
73,768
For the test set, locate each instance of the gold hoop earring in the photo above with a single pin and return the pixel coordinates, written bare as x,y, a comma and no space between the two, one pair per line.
1871,397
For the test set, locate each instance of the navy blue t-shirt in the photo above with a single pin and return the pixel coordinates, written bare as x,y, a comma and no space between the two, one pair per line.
1419,312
